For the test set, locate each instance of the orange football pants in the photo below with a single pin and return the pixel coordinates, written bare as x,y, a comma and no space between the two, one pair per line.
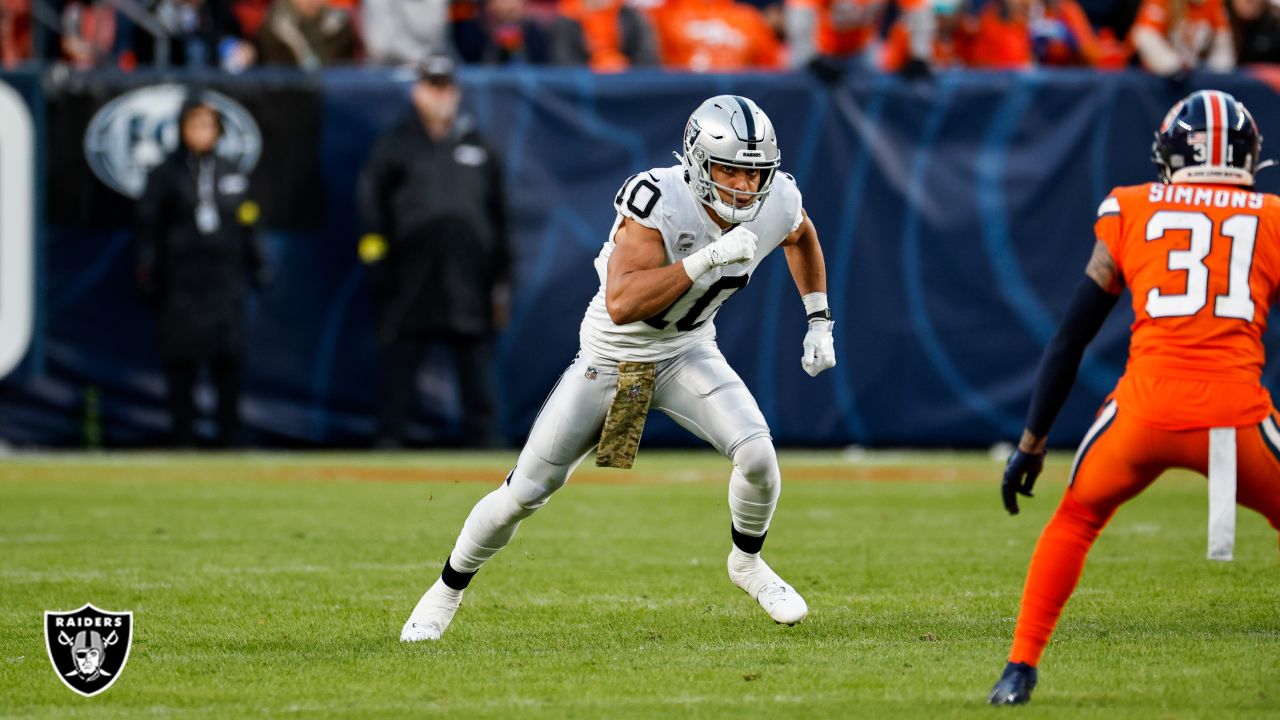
1118,459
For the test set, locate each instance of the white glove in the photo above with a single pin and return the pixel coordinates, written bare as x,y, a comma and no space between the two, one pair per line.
819,347
736,246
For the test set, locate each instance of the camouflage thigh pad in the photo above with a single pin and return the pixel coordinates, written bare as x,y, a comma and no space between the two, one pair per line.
624,422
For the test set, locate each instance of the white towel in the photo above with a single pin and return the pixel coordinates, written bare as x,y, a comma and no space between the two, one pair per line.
1222,493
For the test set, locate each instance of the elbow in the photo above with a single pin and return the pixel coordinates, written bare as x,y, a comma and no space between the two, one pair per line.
619,312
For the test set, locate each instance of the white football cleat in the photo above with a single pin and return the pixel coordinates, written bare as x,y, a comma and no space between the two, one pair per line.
431,616
757,579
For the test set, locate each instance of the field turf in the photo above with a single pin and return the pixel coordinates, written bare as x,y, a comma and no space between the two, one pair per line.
276,585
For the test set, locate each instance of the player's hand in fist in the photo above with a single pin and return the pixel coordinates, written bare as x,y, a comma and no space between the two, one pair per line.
819,347
738,245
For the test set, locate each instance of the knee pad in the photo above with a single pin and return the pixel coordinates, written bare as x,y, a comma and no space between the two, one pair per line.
531,490
757,461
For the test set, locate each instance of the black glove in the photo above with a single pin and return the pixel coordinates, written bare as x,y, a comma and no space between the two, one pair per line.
915,69
1020,475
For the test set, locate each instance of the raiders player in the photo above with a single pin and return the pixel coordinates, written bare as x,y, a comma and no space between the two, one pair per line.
686,238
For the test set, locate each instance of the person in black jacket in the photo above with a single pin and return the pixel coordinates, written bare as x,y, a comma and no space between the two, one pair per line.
197,248
435,243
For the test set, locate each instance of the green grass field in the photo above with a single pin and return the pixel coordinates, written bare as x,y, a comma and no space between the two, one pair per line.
267,585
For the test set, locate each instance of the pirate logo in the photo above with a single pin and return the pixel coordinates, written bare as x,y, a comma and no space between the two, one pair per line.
591,373
634,392
88,647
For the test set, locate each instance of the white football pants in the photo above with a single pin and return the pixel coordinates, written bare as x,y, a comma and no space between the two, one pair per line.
697,389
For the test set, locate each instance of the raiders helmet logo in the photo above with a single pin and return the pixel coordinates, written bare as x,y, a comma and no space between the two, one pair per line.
88,647
691,131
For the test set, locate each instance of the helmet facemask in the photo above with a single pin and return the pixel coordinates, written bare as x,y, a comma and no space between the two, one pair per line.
743,205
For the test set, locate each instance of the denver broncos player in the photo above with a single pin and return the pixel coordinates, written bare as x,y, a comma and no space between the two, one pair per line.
1200,253
686,238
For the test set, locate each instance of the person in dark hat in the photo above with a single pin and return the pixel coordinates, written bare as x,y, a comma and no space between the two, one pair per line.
433,209
198,248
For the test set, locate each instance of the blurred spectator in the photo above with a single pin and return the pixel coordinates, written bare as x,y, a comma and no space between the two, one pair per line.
405,31
606,35
1061,34
830,35
197,247
500,33
1176,36
15,32
1256,28
434,212
91,37
715,36
306,33
203,33
1002,40
953,31
250,14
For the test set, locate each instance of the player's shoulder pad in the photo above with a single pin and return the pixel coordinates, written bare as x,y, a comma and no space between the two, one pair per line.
787,192
1124,196
642,196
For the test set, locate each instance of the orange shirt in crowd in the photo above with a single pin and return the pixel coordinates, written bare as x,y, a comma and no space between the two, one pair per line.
950,50
1192,33
1002,40
715,36
602,30
848,27
1202,263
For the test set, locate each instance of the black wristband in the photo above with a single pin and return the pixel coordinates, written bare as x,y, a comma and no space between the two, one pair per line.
823,314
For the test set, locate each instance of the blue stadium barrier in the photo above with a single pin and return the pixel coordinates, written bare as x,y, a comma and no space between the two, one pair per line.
956,217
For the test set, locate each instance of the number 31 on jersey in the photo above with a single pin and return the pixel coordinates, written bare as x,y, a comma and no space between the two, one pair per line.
1237,302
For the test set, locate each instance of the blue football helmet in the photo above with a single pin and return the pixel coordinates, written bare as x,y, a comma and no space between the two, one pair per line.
1208,137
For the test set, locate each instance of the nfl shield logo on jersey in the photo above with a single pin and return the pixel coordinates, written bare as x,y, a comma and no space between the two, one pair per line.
88,647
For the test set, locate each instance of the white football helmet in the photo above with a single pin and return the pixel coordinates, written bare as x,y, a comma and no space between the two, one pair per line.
729,130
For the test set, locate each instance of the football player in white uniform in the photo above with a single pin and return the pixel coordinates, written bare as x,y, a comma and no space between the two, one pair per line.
686,238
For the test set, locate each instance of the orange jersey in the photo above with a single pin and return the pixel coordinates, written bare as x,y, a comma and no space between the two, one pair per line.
1192,33
715,36
848,27
1000,42
1203,265
949,49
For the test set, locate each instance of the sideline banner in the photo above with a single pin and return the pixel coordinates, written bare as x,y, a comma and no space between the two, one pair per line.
956,217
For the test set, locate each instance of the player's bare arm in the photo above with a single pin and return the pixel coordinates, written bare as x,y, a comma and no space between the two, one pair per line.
804,257
1103,270
641,283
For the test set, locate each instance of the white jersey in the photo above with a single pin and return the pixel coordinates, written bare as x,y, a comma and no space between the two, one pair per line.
660,199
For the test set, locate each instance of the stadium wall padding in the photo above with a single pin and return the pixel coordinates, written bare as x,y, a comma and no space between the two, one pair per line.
956,217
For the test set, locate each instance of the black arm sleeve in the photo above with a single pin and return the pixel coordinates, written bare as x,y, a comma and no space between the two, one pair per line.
1088,309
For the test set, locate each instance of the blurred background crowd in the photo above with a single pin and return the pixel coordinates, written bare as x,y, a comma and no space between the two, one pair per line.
913,37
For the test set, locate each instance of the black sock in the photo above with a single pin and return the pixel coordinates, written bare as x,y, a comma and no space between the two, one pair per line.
454,579
746,543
